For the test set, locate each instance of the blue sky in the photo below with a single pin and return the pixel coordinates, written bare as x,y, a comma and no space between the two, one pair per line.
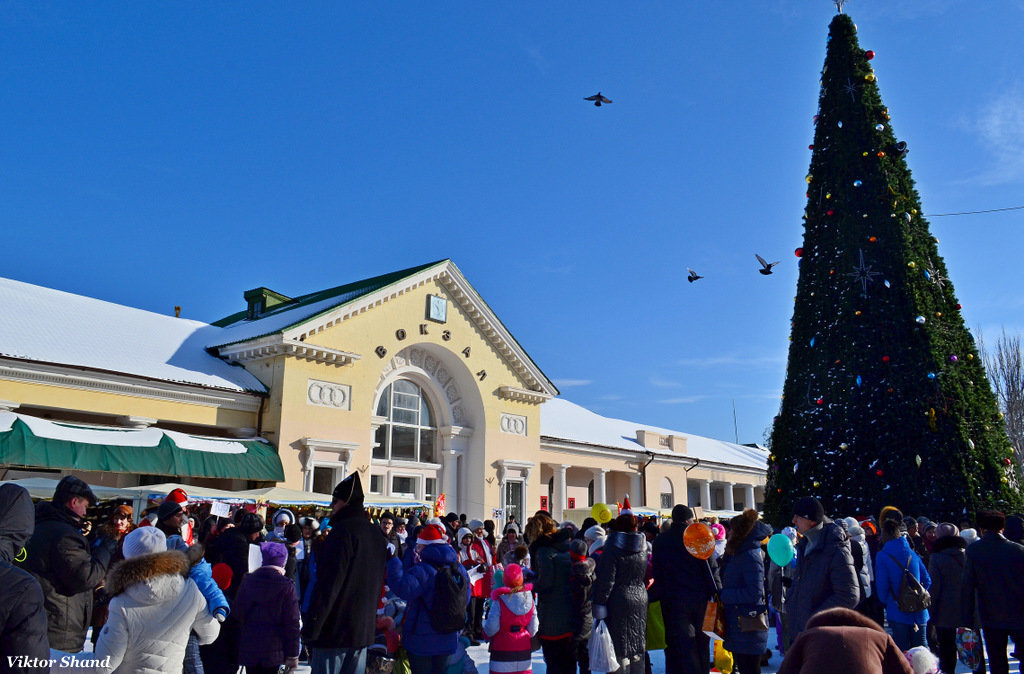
166,153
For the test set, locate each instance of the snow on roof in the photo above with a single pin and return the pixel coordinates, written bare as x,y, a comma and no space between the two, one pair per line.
52,326
564,420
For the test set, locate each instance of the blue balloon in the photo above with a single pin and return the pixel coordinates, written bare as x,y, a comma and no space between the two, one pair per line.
780,549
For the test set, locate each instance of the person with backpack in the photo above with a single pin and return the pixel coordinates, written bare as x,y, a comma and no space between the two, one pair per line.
511,624
902,581
436,589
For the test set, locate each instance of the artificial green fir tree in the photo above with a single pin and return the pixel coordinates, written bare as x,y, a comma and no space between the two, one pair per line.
886,401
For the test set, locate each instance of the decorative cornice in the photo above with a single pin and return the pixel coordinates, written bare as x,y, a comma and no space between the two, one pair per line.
330,445
551,444
449,277
523,395
277,345
53,375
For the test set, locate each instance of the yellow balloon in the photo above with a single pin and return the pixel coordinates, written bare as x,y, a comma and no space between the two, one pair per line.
601,512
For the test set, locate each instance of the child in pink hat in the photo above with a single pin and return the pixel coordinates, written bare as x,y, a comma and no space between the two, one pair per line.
511,624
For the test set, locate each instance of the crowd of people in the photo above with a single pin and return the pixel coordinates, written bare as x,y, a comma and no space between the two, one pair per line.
349,594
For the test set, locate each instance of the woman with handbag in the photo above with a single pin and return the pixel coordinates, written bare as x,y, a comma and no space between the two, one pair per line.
746,609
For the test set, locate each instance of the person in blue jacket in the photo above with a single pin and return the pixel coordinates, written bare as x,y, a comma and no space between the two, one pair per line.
743,589
414,582
908,629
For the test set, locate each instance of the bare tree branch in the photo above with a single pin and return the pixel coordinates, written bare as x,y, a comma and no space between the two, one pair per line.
1005,368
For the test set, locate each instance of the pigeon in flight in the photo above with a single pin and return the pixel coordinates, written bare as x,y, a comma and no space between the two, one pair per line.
766,267
692,276
598,99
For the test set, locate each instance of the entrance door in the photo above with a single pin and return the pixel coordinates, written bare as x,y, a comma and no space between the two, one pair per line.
514,500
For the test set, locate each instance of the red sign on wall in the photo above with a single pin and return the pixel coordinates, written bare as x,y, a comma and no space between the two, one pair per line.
572,503
543,502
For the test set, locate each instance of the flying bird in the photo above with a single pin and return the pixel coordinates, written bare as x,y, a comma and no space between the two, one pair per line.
598,99
766,267
692,276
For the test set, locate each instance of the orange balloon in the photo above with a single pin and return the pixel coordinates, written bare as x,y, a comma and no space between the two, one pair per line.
699,540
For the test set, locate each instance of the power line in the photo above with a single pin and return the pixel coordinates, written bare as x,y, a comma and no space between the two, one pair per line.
991,210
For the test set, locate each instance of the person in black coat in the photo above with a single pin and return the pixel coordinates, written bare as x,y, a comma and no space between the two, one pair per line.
994,575
58,555
22,616
268,610
685,585
825,577
350,572
946,568
620,592
581,581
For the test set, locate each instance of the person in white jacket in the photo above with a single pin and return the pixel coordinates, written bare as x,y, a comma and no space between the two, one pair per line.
154,607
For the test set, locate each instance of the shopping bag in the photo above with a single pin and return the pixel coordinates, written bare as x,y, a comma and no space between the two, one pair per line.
723,658
714,620
655,627
968,647
602,650
401,663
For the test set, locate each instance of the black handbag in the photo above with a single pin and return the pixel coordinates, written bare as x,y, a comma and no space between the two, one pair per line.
753,622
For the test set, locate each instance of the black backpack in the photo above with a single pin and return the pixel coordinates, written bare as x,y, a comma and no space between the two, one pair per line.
451,594
912,596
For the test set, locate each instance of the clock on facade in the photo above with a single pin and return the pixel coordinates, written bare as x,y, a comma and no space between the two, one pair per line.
437,308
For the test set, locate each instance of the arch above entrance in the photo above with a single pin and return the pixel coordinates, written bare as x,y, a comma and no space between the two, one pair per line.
426,365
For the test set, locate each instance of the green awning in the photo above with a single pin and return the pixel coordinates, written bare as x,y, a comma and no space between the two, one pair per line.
40,443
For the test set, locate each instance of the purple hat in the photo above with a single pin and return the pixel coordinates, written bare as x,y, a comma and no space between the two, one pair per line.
274,554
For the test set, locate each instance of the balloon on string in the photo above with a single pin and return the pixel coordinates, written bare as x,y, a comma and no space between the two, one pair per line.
601,512
780,549
698,540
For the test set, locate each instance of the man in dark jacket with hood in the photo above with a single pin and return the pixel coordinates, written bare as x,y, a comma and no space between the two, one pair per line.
684,585
350,573
825,576
994,576
22,616
60,559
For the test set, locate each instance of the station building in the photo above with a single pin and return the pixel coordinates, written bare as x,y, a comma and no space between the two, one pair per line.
408,378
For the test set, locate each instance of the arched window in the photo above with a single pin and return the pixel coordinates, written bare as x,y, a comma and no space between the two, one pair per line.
410,431
667,494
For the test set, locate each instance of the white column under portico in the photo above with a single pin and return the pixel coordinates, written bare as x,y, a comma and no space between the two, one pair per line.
450,462
748,496
558,507
728,504
600,485
636,489
705,494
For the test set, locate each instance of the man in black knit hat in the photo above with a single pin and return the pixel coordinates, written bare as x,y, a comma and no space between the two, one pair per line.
350,570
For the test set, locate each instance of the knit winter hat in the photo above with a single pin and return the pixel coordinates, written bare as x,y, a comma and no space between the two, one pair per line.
474,525
144,541
431,534
513,576
595,533
681,513
250,523
719,531
293,533
167,509
969,535
578,550
946,529
809,508
274,554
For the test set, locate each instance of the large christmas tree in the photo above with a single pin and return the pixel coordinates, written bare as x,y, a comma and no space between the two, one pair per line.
886,400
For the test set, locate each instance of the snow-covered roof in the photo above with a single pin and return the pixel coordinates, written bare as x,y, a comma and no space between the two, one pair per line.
52,326
564,420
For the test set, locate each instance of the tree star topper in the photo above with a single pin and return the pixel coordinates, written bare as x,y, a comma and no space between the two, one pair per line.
863,274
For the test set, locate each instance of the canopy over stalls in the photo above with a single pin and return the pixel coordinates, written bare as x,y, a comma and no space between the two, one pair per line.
31,441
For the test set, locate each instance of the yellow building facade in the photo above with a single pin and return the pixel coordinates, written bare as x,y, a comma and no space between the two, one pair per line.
408,379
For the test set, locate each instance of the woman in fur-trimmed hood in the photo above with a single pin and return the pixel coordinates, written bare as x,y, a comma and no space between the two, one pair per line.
153,608
743,589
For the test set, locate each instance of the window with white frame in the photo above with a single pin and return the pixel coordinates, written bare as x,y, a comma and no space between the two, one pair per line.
430,488
403,485
376,484
410,432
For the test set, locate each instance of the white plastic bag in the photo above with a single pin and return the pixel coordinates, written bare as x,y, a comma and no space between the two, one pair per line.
602,650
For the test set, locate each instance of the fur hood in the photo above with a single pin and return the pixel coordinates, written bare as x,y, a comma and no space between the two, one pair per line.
146,568
519,602
630,543
740,529
947,542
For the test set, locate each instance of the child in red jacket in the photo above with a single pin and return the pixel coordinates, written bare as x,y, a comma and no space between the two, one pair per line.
511,624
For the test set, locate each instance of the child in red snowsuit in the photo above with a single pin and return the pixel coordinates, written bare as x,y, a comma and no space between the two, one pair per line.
511,624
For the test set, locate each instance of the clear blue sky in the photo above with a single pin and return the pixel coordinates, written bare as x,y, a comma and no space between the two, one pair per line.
163,153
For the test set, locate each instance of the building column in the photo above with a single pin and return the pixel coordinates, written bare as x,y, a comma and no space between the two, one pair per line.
705,494
748,496
559,495
729,504
636,489
600,485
